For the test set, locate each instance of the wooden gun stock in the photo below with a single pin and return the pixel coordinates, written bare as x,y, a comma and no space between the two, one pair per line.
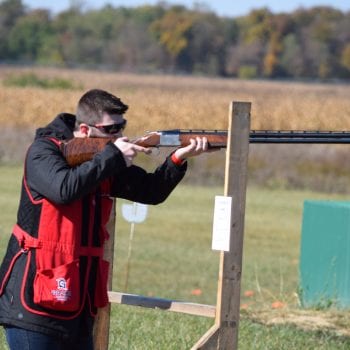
79,150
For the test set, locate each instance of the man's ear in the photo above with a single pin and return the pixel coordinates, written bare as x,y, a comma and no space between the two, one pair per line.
84,129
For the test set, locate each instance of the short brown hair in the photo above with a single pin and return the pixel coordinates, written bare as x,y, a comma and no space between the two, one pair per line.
94,103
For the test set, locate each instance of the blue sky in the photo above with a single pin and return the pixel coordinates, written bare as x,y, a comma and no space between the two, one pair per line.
229,8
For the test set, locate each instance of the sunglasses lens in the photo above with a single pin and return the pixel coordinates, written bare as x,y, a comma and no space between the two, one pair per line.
113,128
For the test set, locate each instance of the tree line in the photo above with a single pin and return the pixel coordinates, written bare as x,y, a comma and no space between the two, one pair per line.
305,44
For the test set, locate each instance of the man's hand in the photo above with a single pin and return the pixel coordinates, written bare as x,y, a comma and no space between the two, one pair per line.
129,150
195,148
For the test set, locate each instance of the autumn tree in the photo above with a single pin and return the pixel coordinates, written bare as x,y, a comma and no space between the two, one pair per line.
10,12
172,31
307,43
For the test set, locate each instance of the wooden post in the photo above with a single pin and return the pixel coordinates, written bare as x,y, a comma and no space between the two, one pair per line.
224,334
101,326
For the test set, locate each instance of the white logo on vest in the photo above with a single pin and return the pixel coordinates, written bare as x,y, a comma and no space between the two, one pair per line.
61,293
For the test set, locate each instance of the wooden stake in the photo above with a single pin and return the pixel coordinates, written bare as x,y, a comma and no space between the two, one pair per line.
224,334
102,320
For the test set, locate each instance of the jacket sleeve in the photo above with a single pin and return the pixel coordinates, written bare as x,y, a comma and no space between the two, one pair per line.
137,185
48,174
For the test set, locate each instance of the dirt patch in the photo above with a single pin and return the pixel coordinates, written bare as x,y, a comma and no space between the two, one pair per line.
337,322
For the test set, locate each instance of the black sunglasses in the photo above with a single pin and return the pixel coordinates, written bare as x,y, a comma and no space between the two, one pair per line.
111,128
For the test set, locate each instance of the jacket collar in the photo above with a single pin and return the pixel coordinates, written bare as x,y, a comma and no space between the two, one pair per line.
61,127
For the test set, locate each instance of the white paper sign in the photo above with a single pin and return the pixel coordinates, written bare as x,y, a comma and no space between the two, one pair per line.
135,212
222,223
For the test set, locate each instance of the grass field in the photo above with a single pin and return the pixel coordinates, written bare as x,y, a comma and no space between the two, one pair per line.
172,258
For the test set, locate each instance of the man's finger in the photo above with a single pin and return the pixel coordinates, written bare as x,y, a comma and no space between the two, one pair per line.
198,144
142,149
205,144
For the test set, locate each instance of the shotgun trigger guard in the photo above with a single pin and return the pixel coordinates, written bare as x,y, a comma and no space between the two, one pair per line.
155,151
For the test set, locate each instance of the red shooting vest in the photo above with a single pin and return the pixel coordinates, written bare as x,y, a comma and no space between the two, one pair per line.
58,249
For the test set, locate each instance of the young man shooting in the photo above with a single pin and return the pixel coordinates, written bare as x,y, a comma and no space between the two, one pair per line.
53,277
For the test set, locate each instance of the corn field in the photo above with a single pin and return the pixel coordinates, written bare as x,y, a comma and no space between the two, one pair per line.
159,102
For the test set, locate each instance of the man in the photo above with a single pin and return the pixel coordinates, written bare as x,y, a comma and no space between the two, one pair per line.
53,277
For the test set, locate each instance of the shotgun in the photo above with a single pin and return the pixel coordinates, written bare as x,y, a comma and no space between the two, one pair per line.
79,150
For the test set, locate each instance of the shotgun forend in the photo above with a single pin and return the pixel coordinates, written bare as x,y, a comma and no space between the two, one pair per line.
218,138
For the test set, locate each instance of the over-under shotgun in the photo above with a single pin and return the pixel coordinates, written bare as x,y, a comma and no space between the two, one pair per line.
79,150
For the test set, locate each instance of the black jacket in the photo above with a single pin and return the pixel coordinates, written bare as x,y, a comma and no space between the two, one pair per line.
48,176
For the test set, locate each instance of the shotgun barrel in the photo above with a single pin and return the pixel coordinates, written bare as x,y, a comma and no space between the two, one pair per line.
299,136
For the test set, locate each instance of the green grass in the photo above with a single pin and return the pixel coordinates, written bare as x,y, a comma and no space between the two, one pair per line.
32,80
172,257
